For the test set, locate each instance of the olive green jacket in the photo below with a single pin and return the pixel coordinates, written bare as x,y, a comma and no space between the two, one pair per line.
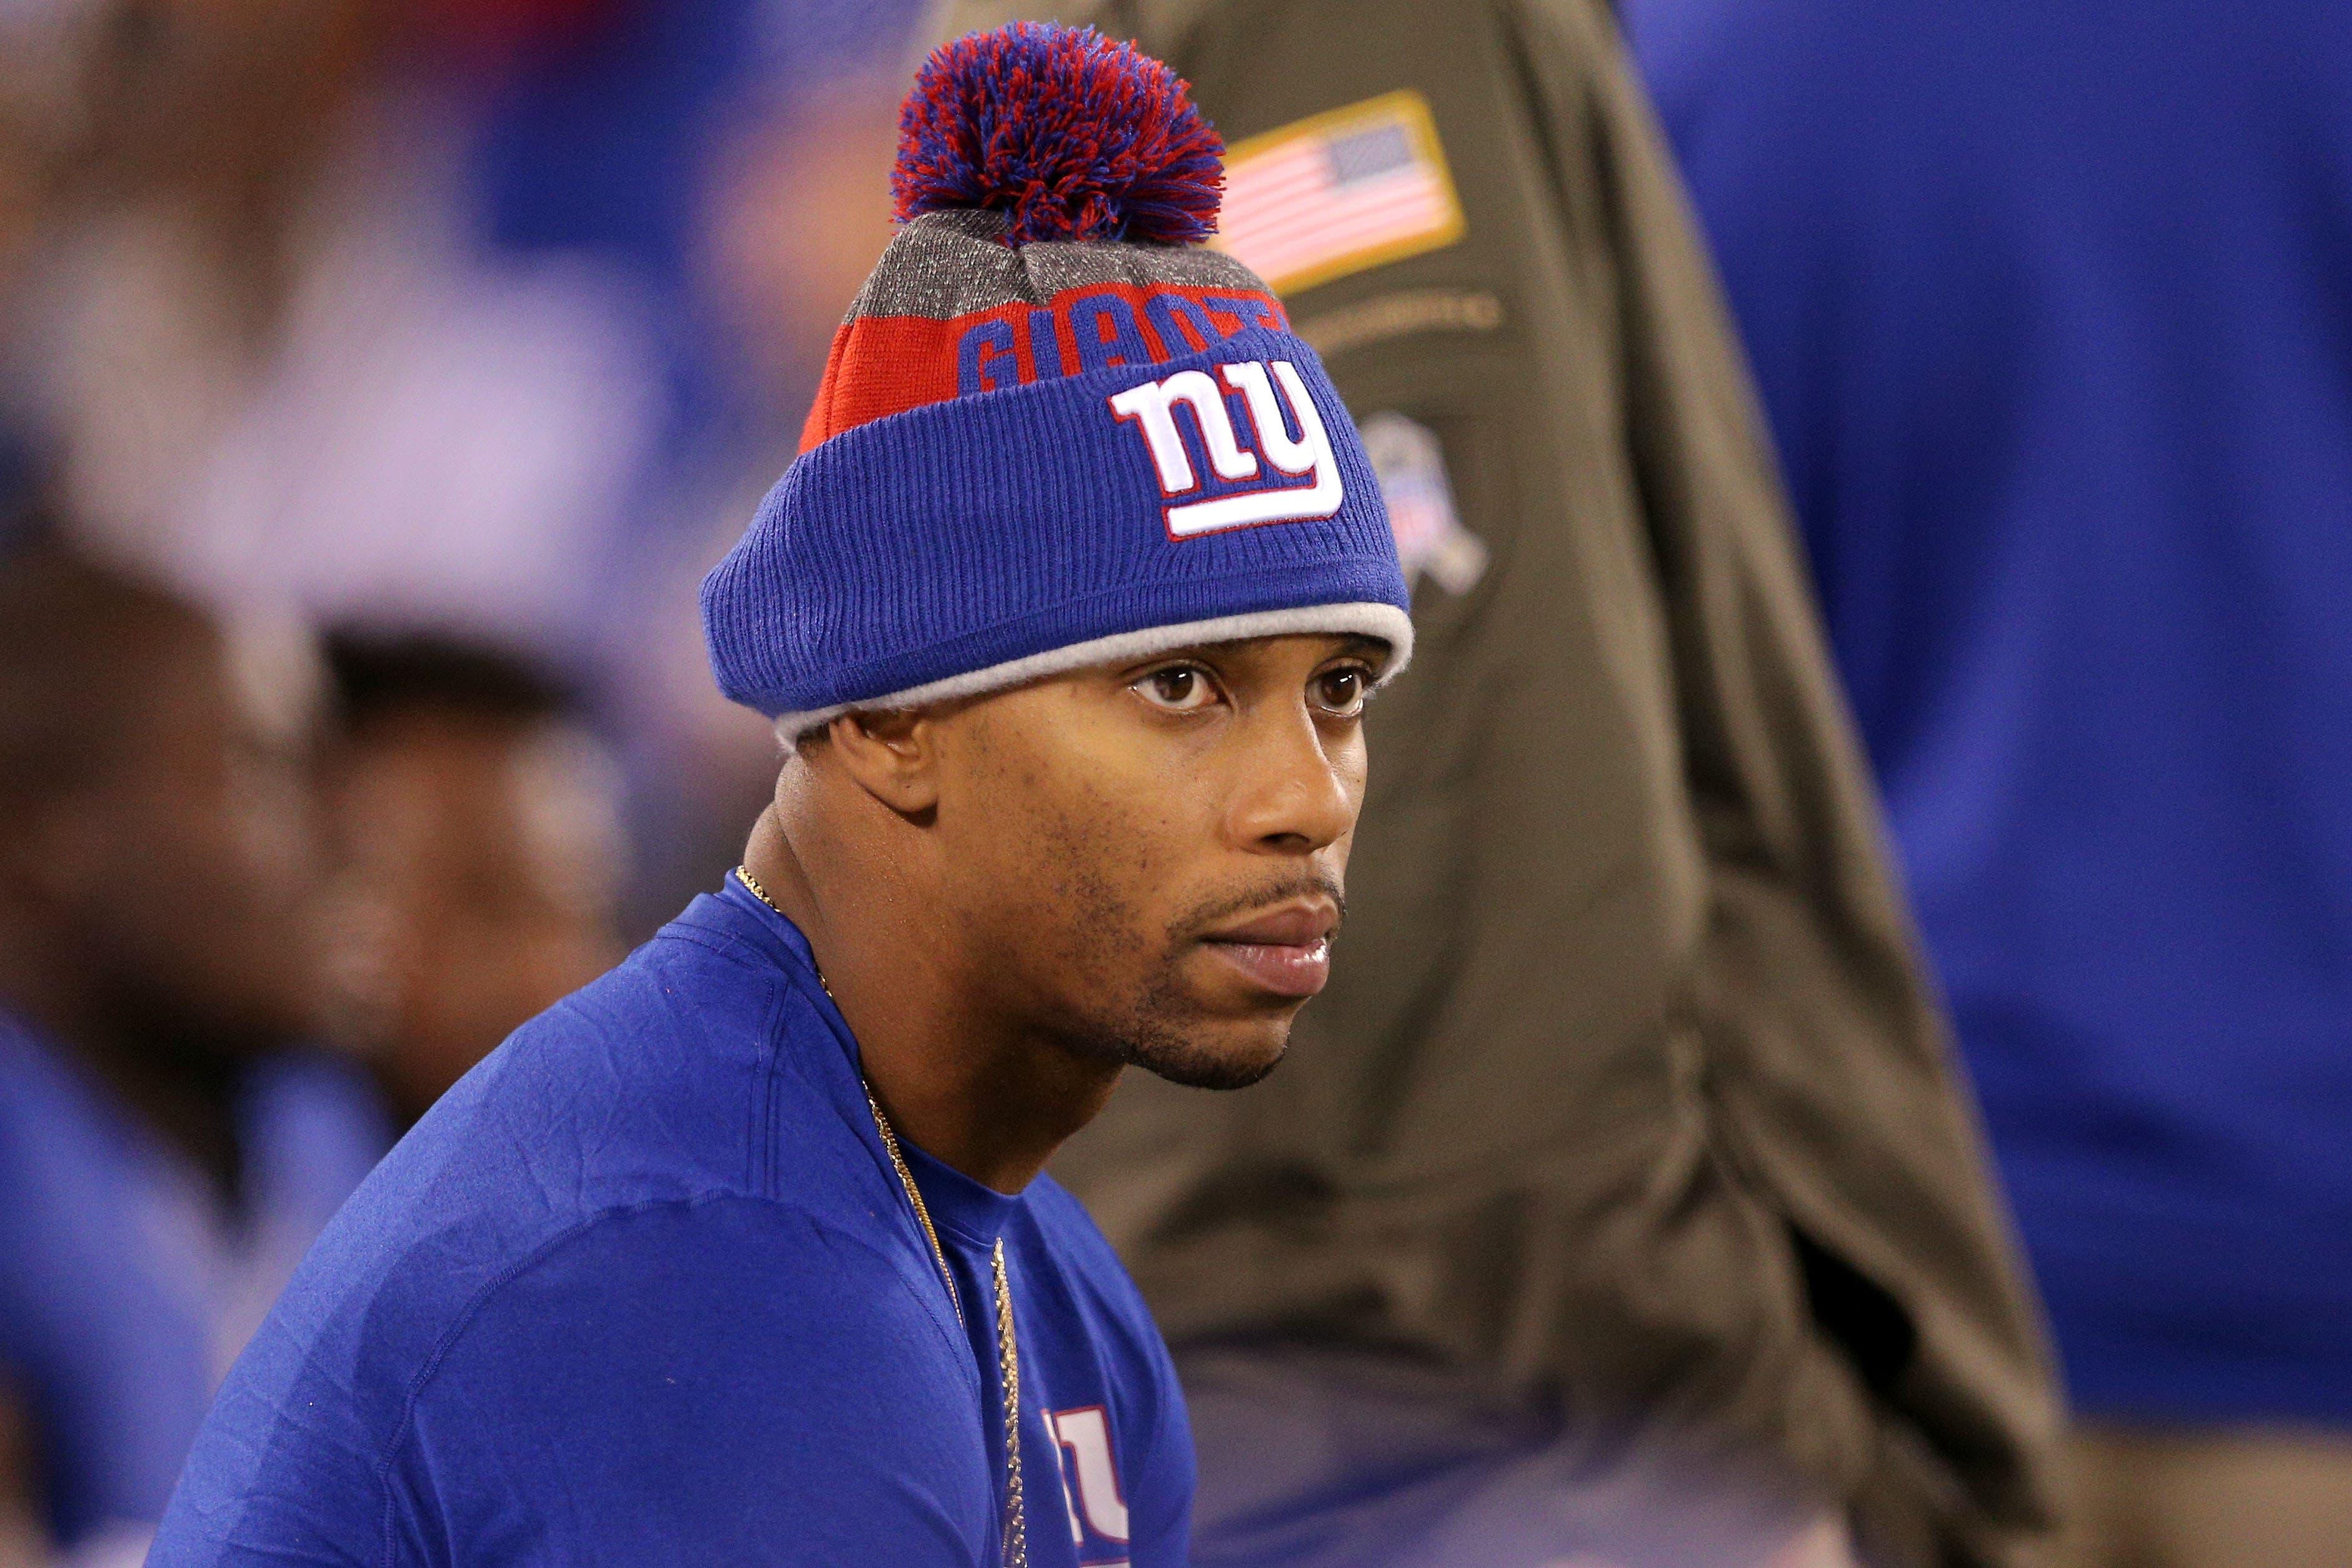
1628,1090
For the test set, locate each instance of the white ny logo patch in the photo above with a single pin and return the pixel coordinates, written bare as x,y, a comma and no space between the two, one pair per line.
1152,407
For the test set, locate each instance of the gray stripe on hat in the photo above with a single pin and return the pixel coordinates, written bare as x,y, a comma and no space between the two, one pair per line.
1384,622
947,264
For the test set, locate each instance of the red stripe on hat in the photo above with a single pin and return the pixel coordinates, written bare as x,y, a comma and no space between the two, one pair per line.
881,366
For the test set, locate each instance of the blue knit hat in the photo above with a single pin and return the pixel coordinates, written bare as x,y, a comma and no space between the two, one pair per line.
1054,431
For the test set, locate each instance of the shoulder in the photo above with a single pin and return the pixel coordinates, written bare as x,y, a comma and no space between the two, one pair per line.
763,1304
632,1260
659,1083
692,1374
644,1084
673,1079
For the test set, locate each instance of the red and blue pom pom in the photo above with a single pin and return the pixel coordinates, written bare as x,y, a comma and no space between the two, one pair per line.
1074,136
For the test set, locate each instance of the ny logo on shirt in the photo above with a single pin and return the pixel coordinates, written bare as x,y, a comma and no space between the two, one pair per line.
1237,492
1089,1475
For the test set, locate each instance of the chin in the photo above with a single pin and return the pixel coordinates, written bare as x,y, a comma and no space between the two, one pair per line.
1216,1056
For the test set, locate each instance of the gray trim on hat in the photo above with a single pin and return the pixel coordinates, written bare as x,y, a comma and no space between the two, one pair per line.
1385,622
942,265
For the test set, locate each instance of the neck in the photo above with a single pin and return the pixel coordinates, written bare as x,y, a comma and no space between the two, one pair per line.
984,1094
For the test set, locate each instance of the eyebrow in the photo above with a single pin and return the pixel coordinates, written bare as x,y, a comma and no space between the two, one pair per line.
1382,654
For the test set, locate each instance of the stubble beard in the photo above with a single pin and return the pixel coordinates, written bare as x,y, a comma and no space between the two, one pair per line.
1162,1030
1156,1025
1153,1041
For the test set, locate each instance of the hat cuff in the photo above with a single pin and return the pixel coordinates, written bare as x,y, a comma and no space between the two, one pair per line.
1385,622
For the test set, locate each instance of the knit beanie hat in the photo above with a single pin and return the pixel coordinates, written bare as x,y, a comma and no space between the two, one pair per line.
1054,431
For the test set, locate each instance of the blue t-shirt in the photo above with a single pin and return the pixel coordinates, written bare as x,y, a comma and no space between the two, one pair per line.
646,1287
2051,306
124,1291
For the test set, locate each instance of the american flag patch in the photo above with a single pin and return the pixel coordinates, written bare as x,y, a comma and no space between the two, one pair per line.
1339,192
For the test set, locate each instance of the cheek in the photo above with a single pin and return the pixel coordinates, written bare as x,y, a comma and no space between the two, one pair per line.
1077,871
1352,760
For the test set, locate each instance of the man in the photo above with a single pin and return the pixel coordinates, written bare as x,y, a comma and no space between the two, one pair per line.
1069,608
477,843
1622,1206
164,1161
2047,306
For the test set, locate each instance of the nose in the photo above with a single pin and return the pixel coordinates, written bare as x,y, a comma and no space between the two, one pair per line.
1293,792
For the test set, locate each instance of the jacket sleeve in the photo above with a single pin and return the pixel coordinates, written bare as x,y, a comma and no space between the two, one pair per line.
1832,1066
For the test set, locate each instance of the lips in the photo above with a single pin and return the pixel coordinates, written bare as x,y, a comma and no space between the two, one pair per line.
1285,952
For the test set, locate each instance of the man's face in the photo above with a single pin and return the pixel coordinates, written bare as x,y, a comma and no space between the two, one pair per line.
1151,856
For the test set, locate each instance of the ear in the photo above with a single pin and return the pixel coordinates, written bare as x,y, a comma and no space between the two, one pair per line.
894,757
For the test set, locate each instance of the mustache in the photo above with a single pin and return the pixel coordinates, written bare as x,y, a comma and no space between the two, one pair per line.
1300,885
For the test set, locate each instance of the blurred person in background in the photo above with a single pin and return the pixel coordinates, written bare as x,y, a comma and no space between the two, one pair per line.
165,1155
1621,1205
475,826
2050,311
688,144
265,334
475,315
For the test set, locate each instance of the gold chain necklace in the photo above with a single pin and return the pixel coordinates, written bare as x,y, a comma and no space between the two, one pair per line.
1008,1354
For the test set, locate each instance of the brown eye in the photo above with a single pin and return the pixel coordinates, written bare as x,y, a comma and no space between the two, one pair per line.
1340,693
1177,688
